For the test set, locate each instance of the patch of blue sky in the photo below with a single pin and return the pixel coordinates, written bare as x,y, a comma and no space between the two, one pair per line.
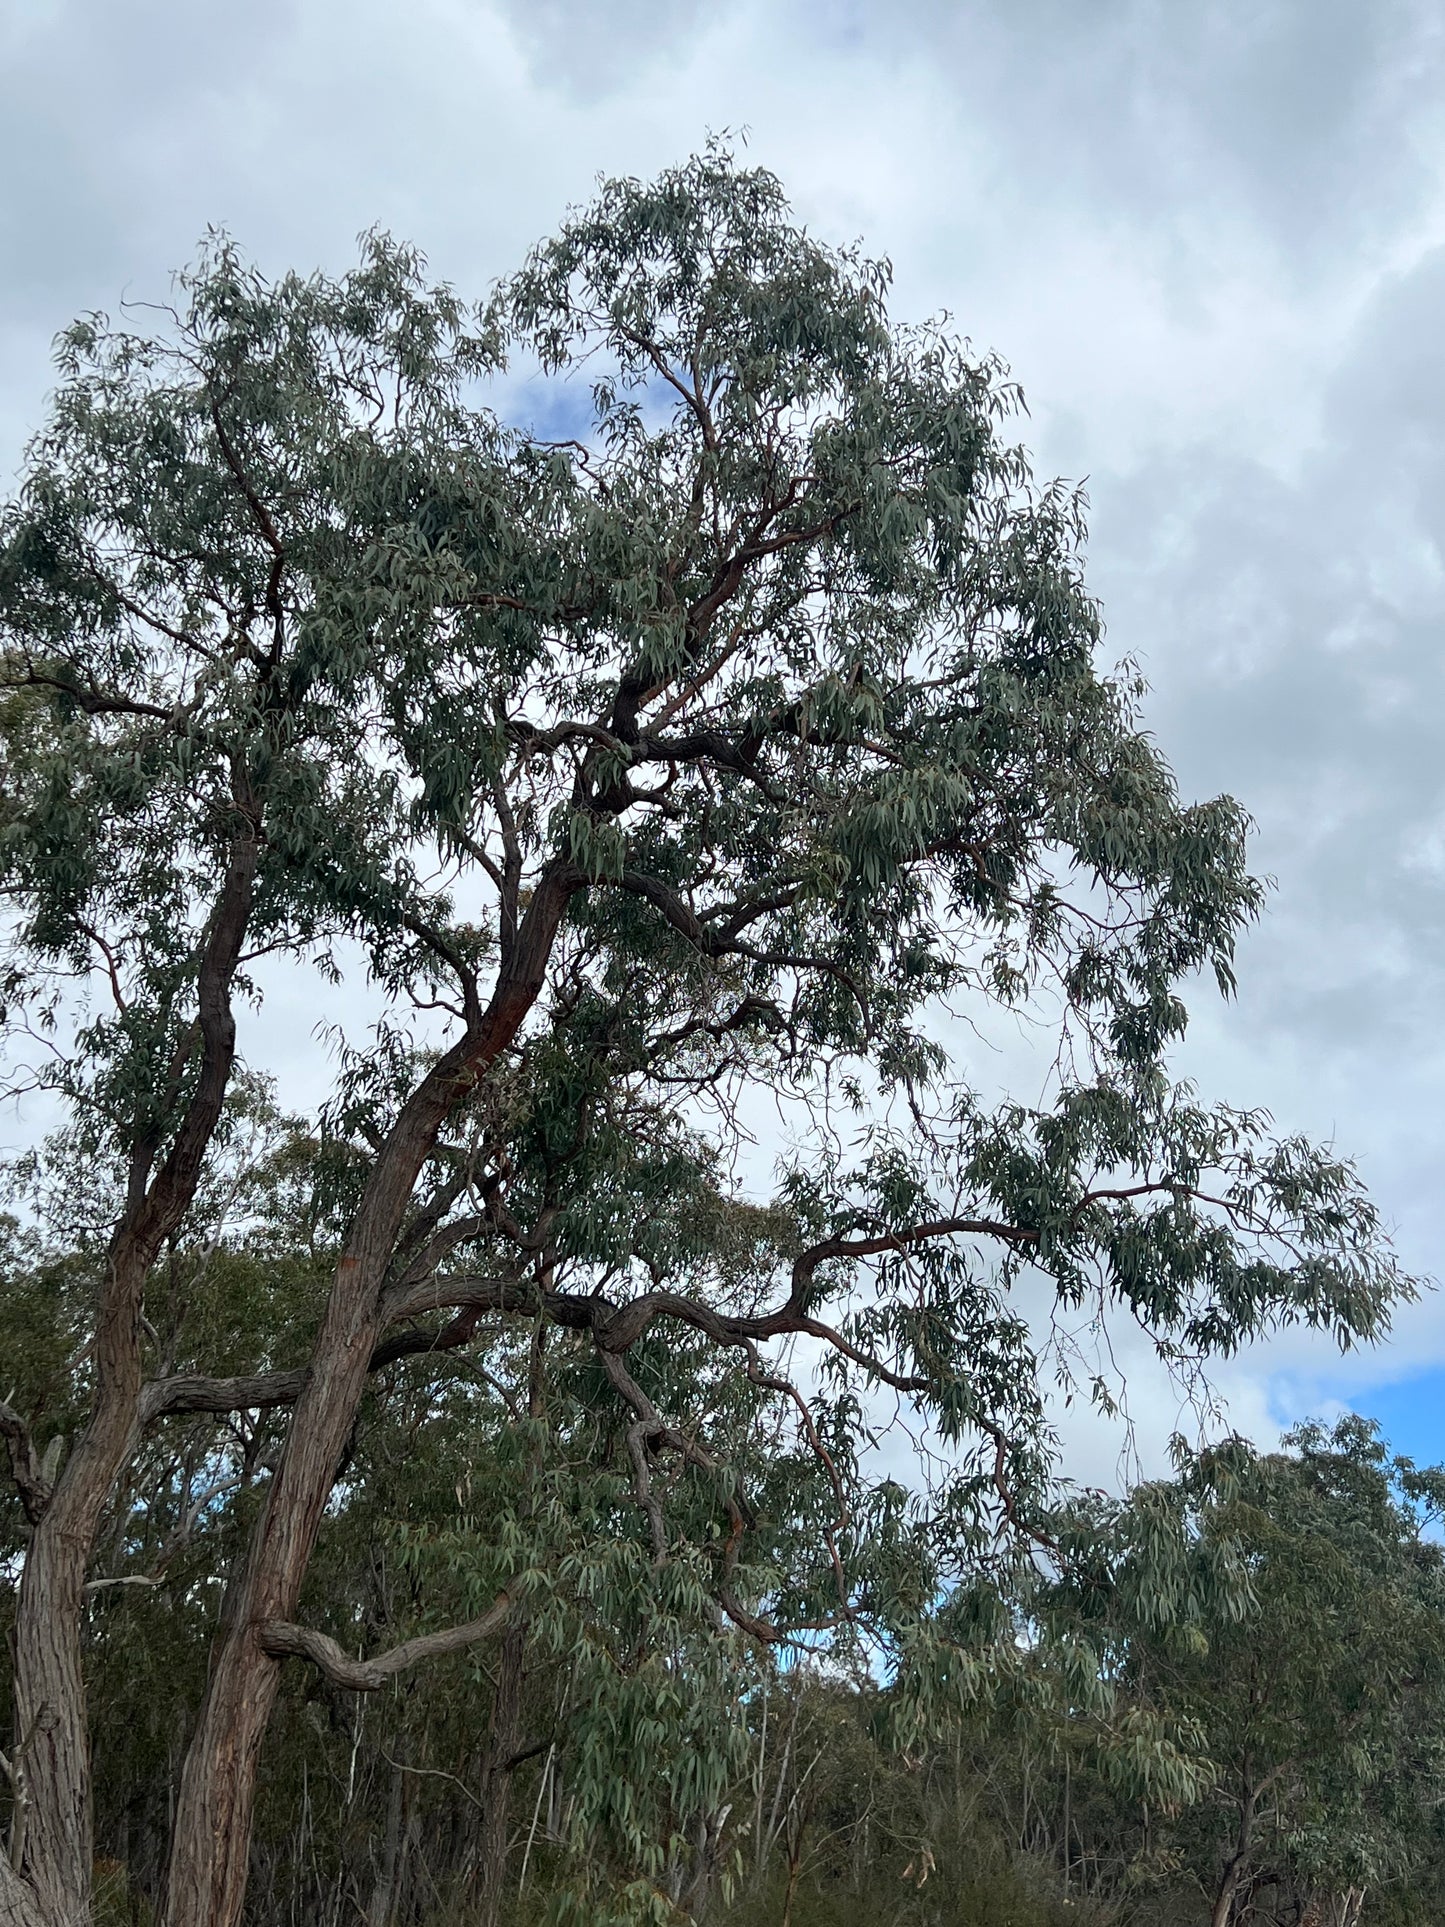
561,407
1409,1411
551,408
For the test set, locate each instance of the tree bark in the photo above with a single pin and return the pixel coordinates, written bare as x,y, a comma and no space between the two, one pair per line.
707,1859
383,1897
19,1906
795,1862
1237,1862
1224,1898
1333,1908
55,1822
504,1731
210,1847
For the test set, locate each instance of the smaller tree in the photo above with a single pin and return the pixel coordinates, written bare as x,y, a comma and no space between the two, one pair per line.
1289,1611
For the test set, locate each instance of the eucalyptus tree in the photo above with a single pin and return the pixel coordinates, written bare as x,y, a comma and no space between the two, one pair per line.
1302,1644
702,746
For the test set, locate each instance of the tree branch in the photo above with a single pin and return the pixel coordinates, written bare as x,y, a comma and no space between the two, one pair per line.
25,1467
806,1264
264,523
192,1392
283,1640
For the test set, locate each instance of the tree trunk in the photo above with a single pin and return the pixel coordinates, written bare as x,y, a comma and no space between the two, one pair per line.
211,1842
53,1820
383,1895
1224,1899
707,1859
206,1884
795,1862
1236,1864
503,1735
54,1848
18,1904
1333,1909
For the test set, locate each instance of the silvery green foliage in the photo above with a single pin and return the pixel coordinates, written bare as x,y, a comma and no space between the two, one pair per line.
747,639
1281,1615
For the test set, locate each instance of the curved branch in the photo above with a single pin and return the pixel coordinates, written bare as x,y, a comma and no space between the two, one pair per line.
283,1640
468,1297
92,701
807,1262
615,1328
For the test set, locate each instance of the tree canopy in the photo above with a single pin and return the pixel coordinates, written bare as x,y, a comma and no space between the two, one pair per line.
658,692
1303,1650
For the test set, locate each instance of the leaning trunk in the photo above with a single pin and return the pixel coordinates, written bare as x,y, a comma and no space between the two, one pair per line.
52,1849
210,1847
1224,1899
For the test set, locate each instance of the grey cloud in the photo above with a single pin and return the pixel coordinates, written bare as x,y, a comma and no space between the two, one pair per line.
292,123
592,49
109,115
1307,120
1299,118
1294,631
1293,626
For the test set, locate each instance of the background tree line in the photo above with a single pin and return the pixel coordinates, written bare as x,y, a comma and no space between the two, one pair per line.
1221,1697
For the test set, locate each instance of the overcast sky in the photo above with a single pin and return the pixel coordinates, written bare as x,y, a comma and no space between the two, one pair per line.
1210,240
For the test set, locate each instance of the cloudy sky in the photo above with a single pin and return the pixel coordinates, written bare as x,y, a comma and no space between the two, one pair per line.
1210,239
